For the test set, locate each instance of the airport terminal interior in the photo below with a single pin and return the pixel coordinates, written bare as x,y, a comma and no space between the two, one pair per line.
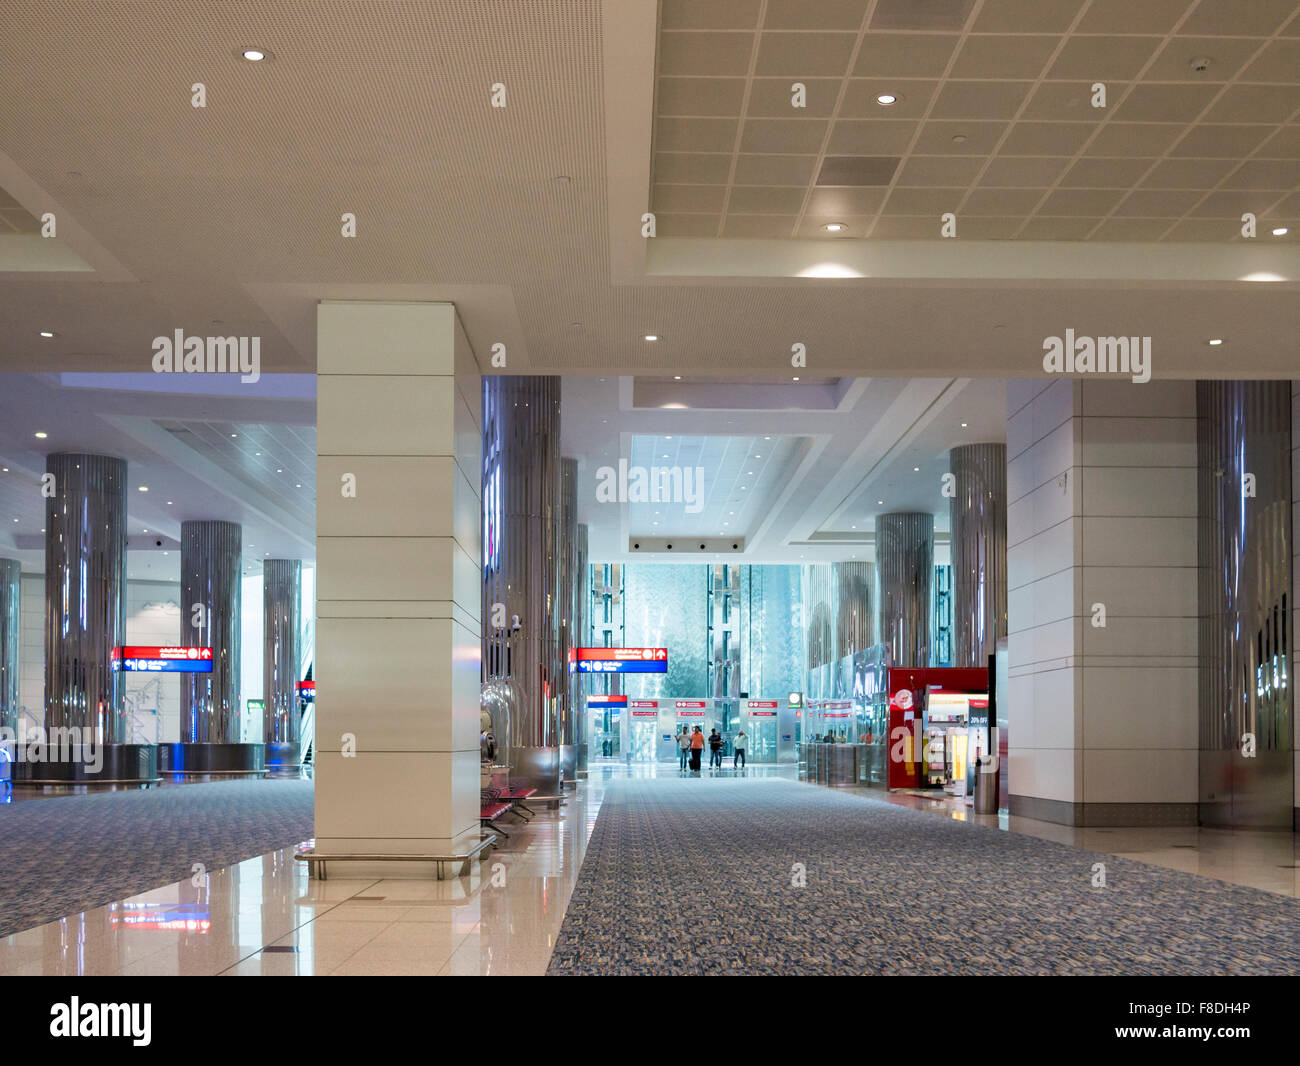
763,486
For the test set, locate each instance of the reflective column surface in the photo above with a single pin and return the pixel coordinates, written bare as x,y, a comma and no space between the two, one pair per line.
210,579
265,917
281,626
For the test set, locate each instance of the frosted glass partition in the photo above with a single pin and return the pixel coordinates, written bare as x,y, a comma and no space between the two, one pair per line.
774,648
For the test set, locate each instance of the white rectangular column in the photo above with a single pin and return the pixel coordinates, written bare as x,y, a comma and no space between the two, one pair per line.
1102,515
398,579
1295,592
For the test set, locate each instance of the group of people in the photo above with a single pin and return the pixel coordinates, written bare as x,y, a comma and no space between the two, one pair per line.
691,741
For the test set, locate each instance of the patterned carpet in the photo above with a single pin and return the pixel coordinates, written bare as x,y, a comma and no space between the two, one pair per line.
67,854
695,877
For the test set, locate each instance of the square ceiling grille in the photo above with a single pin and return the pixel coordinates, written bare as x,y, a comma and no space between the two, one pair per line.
993,119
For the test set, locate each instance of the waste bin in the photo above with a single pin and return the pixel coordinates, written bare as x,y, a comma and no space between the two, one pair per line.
986,788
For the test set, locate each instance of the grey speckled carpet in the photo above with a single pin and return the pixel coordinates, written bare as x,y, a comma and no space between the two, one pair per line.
694,877
67,854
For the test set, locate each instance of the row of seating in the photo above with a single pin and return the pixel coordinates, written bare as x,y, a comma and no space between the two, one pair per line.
496,803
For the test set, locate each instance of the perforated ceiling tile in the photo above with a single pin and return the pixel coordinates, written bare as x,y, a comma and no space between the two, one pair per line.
907,55
715,15
1165,103
1126,16
1026,16
823,15
870,137
1091,173
1228,18
775,169
1188,173
783,135
857,170
931,15
1003,56
1265,174
1103,58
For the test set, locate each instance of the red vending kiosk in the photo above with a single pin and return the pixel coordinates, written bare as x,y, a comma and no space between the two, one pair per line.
909,693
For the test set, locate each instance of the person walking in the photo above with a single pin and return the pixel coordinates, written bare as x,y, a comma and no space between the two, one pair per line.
697,749
684,746
715,749
738,749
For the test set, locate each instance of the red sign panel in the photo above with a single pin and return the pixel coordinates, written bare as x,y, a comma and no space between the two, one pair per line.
689,703
645,714
645,703
763,714
762,703
620,655
138,651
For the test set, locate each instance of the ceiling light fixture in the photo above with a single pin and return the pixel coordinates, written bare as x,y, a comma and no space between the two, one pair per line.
834,227
47,334
886,99
253,55
1280,231
652,336
144,488
1215,342
41,436
963,425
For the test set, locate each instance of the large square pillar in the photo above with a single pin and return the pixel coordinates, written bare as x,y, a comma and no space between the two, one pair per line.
1102,601
398,579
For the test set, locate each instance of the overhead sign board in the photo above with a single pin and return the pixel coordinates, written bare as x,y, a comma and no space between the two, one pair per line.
621,660
155,659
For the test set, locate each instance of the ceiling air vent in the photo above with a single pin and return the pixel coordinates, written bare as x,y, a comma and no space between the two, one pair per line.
921,14
857,170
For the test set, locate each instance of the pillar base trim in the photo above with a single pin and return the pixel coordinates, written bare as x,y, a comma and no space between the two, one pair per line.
123,764
184,758
1086,815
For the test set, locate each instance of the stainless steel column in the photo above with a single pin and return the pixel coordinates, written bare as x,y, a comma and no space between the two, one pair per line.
905,569
581,608
85,593
855,623
978,524
10,622
521,440
566,546
210,576
281,654
1246,680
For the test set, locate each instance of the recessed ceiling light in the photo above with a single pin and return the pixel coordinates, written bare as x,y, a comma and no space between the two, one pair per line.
915,468
144,488
253,55
41,436
1215,342
665,455
169,503
885,99
47,334
1280,231
767,438
652,336
880,501
959,138
963,425
279,470
562,179
834,227
234,435
796,379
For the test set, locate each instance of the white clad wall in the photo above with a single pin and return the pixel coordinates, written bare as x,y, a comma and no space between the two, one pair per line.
1102,509
398,579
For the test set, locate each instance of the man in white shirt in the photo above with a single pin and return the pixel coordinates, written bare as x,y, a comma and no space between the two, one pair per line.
738,747
684,746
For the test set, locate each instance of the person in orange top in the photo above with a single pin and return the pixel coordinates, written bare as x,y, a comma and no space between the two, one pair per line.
697,746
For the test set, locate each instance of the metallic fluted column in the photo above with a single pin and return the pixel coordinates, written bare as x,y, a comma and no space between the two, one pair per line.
854,620
978,521
521,441
581,607
281,629
10,621
566,546
210,575
1246,678
905,569
85,593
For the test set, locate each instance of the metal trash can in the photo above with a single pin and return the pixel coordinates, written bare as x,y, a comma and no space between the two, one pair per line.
986,790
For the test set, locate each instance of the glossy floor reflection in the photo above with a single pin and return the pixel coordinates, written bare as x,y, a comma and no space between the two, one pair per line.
265,916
